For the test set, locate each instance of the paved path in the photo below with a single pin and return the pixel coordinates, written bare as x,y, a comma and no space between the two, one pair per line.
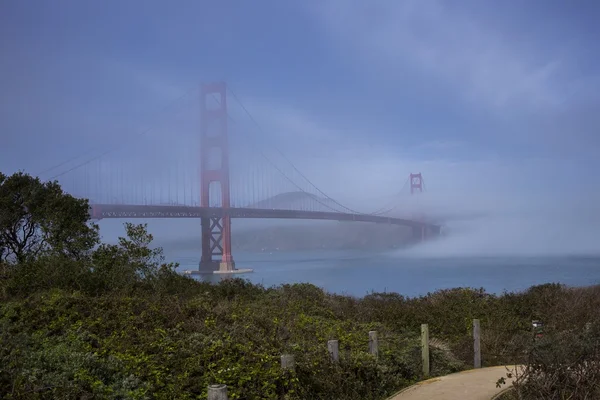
474,384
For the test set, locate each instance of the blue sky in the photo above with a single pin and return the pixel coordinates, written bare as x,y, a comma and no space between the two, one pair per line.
494,100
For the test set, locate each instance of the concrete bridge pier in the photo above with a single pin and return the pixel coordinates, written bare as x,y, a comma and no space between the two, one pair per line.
217,267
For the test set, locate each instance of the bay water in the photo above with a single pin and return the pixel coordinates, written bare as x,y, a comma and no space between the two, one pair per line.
358,273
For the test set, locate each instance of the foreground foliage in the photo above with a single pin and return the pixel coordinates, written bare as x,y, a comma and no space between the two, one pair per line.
82,320
564,362
173,340
165,336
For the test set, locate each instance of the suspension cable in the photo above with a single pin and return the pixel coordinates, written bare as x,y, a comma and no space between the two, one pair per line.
285,175
391,205
289,161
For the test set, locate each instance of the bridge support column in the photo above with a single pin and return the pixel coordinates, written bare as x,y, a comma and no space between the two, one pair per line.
216,231
216,242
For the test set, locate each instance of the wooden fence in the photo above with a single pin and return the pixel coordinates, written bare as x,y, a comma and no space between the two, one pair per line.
219,392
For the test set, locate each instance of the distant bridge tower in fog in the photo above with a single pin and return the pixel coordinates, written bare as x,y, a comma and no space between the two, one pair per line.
416,186
416,183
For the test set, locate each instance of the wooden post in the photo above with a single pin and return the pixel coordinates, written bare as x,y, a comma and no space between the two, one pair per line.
538,329
333,349
373,345
476,344
287,361
217,392
425,348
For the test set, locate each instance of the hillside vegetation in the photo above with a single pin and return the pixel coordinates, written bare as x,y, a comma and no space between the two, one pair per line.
80,319
75,334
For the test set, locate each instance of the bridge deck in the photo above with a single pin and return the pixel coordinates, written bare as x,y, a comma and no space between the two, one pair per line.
101,211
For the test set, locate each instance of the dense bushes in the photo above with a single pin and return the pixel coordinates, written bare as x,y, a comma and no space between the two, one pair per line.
69,344
162,335
564,363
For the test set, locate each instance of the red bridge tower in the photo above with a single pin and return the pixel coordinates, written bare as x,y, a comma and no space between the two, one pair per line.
216,231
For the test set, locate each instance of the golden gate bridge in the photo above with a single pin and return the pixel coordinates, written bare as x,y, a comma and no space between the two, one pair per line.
159,175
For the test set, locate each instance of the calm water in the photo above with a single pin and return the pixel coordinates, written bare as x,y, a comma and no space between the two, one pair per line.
358,273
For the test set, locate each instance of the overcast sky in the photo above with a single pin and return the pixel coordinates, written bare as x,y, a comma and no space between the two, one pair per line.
490,100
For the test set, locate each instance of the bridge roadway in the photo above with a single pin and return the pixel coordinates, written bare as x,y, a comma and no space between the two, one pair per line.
101,211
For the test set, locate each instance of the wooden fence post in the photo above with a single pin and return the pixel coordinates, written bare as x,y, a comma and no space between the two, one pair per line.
373,345
476,344
333,349
287,361
425,348
217,392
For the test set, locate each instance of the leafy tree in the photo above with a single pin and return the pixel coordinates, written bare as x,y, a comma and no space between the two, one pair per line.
130,261
39,218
